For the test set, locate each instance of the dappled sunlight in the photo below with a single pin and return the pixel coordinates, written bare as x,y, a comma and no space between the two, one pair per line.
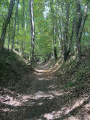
49,70
38,73
59,93
14,99
56,93
53,115
72,118
72,58
8,100
76,104
42,71
22,100
45,78
41,95
56,67
11,98
87,106
88,116
46,65
42,79
7,110
52,86
65,111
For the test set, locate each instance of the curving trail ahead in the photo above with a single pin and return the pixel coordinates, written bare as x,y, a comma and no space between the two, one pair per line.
42,96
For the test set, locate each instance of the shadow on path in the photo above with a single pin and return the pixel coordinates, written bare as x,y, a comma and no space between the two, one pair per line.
38,97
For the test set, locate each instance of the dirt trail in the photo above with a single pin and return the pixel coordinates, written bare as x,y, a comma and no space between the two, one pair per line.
41,96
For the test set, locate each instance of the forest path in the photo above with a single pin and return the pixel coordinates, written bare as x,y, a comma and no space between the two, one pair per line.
41,96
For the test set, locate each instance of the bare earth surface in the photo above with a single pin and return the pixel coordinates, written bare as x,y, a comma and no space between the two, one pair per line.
42,96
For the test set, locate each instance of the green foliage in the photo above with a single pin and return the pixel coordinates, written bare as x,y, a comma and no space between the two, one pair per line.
70,84
44,19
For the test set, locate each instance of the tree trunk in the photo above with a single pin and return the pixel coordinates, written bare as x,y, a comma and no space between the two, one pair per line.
71,37
65,40
18,20
23,27
54,22
32,29
78,39
9,37
5,24
23,18
14,31
54,40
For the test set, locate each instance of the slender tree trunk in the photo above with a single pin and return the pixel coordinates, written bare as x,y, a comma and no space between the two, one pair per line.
14,31
23,26
9,37
65,40
23,18
25,22
58,26
32,29
61,22
5,24
71,38
54,41
78,39
78,20
18,20
54,22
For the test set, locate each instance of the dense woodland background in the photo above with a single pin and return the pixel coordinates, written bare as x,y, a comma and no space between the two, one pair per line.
46,28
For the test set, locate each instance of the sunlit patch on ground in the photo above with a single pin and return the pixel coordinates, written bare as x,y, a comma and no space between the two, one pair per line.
49,116
52,86
87,106
88,116
9,97
6,99
56,93
7,110
76,104
42,95
41,78
65,111
72,118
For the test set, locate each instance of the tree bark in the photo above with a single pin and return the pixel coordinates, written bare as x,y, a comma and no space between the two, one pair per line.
23,27
54,22
78,39
14,31
32,29
65,37
9,37
71,37
54,41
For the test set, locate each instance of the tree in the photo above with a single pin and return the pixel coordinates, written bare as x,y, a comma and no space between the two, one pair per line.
14,31
53,28
32,30
80,21
5,24
65,37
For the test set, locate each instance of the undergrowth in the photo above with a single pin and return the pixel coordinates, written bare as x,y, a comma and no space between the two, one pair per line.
12,67
76,74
